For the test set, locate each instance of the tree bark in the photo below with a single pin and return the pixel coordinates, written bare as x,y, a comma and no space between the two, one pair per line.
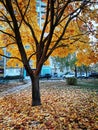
36,100
75,71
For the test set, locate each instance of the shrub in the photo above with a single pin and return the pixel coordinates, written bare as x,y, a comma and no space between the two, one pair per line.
71,81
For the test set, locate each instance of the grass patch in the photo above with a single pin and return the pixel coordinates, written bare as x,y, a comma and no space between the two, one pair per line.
91,84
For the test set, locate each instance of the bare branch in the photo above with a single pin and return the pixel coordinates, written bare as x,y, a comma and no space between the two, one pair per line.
7,45
11,57
6,20
27,23
31,56
58,16
7,33
23,15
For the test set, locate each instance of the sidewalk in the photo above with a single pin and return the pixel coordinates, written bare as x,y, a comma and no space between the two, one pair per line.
15,89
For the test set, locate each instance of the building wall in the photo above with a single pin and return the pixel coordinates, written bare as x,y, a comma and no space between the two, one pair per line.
40,8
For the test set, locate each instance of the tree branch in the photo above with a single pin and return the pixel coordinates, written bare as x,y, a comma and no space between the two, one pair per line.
45,24
23,15
7,45
7,33
6,20
10,57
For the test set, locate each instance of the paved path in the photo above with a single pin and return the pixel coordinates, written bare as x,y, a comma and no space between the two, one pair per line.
14,89
21,87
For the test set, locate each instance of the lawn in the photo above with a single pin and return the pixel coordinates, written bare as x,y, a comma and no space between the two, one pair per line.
63,107
91,84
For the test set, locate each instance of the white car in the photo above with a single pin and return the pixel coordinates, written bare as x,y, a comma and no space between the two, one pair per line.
68,75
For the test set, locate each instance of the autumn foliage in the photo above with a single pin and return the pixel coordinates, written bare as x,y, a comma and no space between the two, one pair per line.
76,35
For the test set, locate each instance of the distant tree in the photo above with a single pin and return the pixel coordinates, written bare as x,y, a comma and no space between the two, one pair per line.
84,69
95,67
61,62
67,63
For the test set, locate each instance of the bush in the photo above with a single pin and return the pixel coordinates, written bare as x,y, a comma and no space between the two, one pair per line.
71,81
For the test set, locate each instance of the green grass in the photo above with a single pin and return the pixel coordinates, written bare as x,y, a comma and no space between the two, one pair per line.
91,84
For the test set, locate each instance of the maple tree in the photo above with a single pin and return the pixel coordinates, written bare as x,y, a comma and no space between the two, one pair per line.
22,37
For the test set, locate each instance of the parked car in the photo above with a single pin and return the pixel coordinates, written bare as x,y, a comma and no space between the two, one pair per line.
55,75
83,75
68,75
93,75
47,76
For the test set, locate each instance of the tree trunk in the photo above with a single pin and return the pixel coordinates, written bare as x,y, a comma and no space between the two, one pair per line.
86,72
36,100
75,71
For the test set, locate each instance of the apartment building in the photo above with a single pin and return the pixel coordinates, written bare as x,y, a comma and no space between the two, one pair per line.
40,8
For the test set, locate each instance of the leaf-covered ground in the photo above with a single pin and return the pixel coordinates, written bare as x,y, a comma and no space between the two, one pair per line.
63,108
